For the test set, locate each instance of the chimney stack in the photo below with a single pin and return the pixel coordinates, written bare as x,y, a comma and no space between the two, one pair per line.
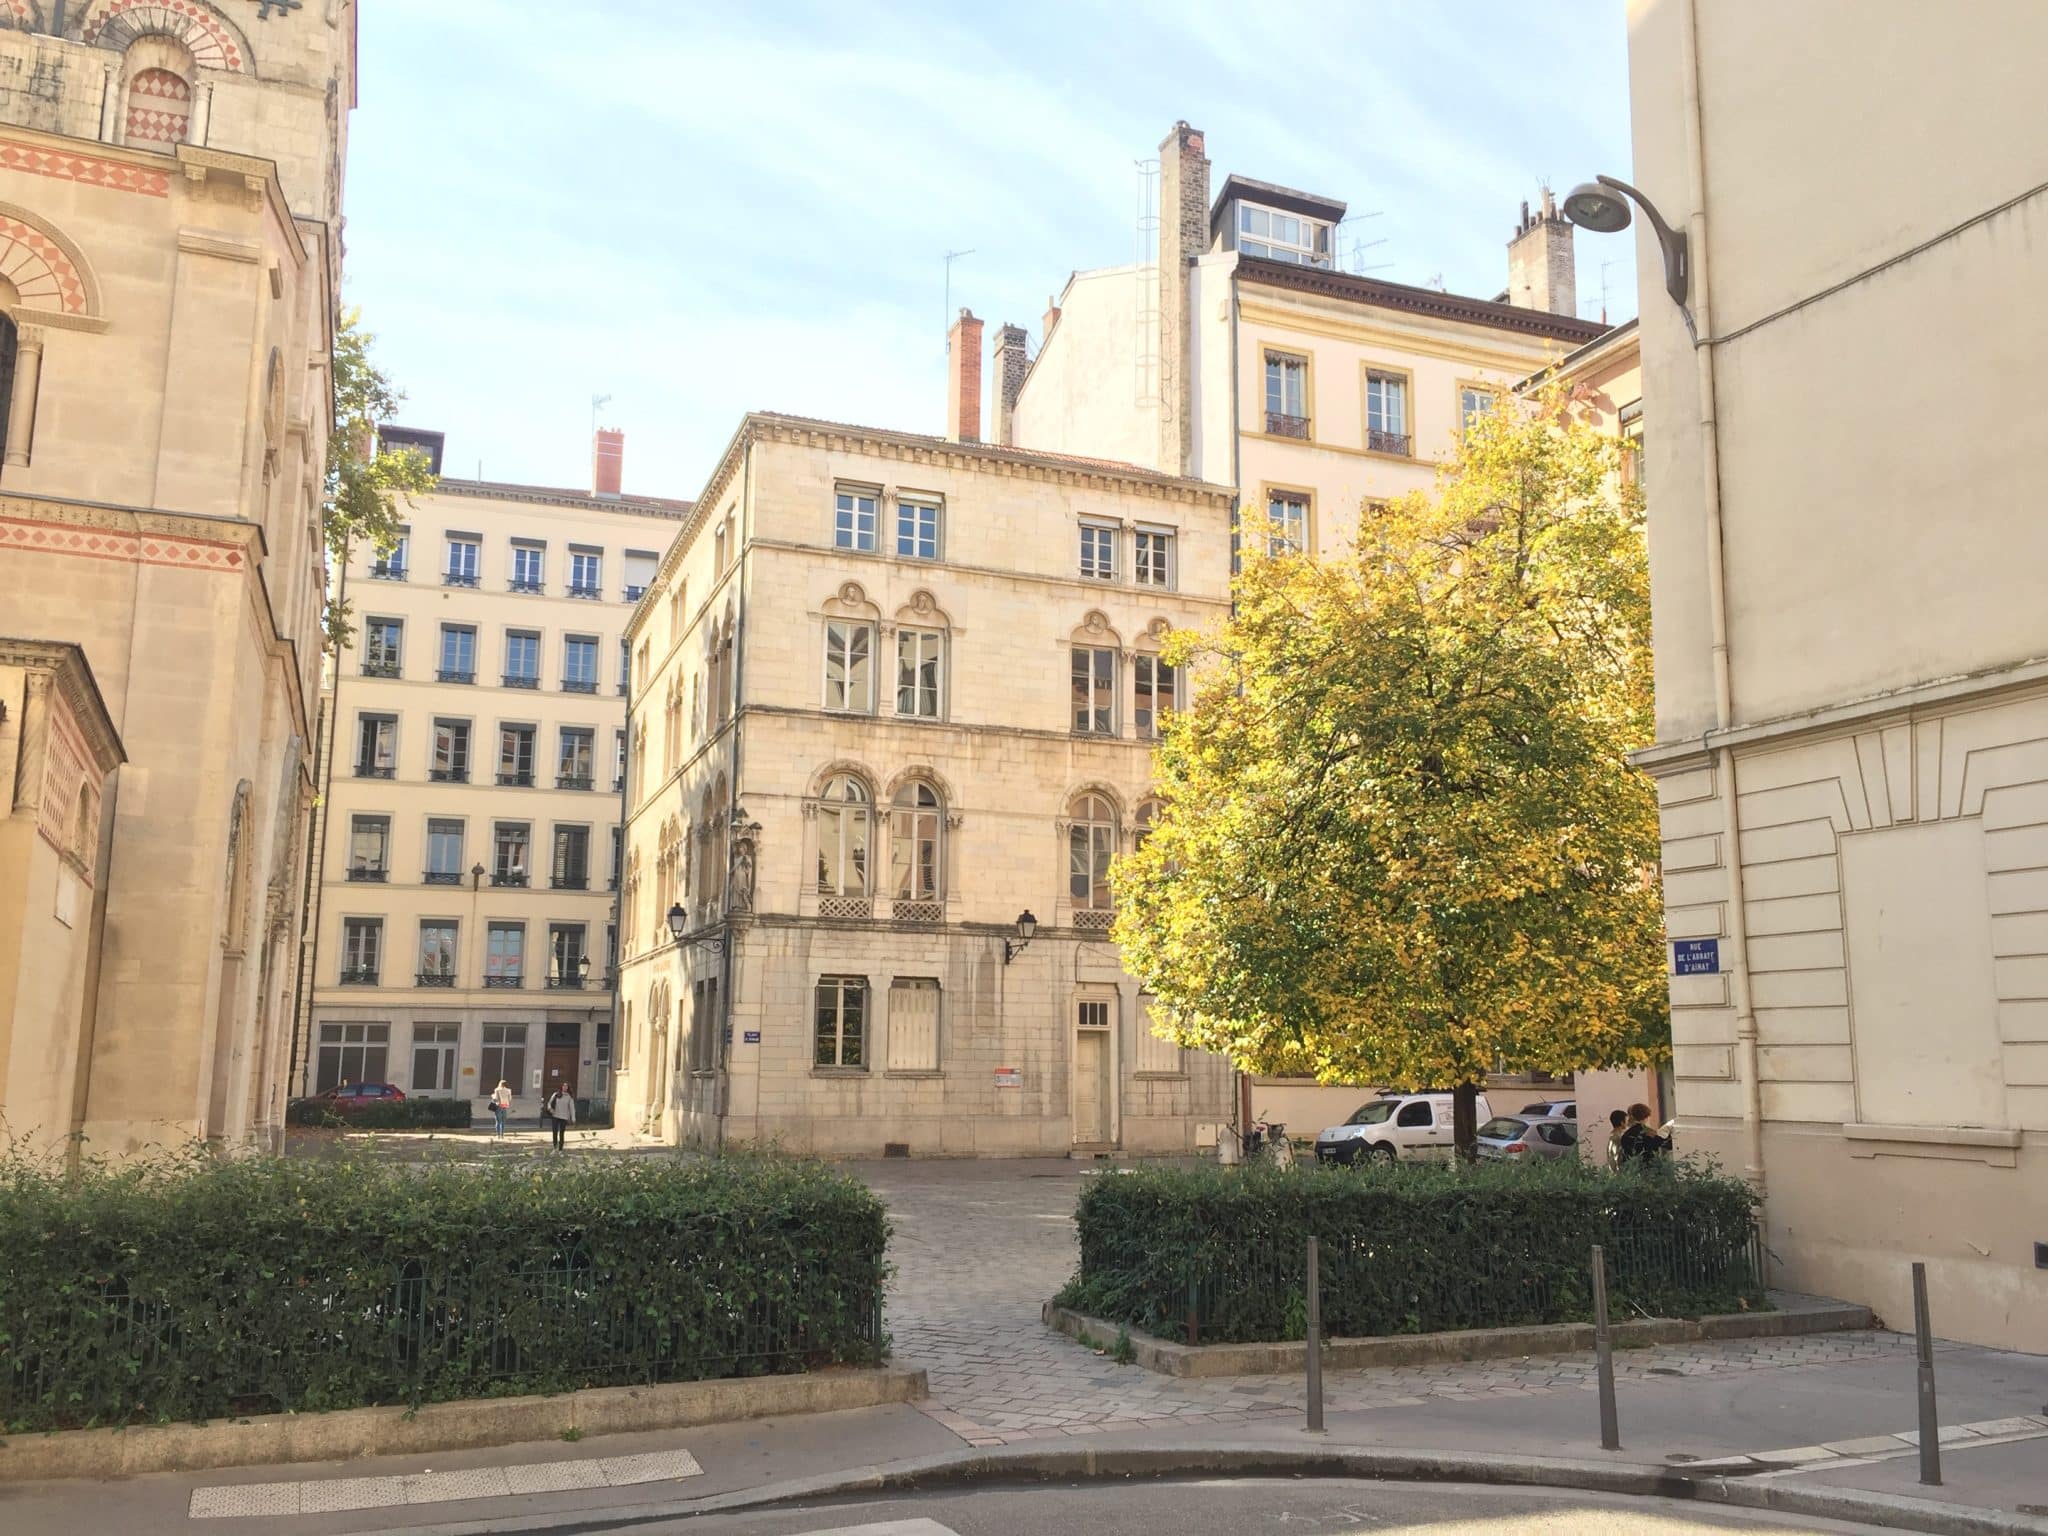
1183,235
963,379
1541,271
607,461
1050,319
1010,366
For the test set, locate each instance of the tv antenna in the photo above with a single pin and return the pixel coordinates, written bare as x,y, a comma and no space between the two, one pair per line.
597,403
1350,254
951,257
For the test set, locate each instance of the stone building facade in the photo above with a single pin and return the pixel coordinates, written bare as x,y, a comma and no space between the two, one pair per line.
1846,546
890,694
170,198
469,853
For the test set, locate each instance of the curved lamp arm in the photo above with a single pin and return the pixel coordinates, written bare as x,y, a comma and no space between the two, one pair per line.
1675,246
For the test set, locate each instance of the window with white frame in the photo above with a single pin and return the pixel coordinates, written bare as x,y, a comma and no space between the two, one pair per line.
850,666
915,819
853,519
1286,395
503,1057
917,529
1287,523
464,555
1091,843
845,830
913,1037
351,1053
505,956
1156,695
1098,552
458,653
376,746
842,1018
1153,557
433,1058
1281,236
1474,402
437,951
1094,687
369,848
383,647
362,950
529,563
450,761
579,664
522,658
919,672
444,850
1386,412
586,573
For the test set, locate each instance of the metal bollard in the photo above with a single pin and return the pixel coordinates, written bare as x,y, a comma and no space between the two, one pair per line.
1930,1432
1315,1339
1603,1347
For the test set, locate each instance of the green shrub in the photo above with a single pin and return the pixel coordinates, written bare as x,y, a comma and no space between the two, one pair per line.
193,1289
1408,1249
394,1115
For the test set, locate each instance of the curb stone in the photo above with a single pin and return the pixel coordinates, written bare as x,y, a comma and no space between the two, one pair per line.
1289,1357
1015,1464
345,1434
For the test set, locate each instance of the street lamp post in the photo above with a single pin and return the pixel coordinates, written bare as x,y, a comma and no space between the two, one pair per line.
1601,205
1027,930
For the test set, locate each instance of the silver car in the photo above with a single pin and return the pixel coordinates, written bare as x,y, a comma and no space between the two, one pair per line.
1521,1138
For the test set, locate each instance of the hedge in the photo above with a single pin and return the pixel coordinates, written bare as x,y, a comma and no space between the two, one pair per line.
196,1289
394,1115
1218,1254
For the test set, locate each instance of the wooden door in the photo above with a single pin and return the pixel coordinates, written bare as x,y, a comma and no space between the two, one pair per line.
558,1071
1091,1086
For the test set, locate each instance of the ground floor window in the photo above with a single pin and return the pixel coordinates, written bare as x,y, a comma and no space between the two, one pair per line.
433,1057
704,1025
352,1053
913,1042
842,1022
504,1057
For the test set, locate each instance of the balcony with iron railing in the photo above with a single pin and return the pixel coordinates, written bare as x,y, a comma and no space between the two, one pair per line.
1279,424
1378,440
371,873
448,775
434,979
570,882
381,571
522,680
441,877
569,983
376,771
578,589
450,675
458,578
516,585
509,877
510,981
517,779
380,669
579,685
573,781
359,976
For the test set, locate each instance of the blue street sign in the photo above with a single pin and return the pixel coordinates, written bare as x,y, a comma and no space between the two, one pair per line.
1695,957
752,1037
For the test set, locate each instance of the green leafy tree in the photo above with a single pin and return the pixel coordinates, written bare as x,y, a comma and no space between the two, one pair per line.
365,488
1401,842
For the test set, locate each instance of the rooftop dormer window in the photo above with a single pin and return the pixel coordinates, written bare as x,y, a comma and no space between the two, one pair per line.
1282,236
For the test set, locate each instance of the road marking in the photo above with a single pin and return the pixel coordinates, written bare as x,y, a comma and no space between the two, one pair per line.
334,1494
889,1528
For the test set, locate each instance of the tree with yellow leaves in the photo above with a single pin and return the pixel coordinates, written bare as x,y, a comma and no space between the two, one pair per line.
1401,841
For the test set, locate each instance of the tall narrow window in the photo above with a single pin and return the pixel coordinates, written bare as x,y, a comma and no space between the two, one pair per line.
529,567
579,664
1155,696
450,763
369,848
572,859
458,653
1091,842
1098,552
917,529
853,520
515,755
522,658
913,1032
1153,561
842,1016
362,950
391,564
1474,402
509,843
849,666
914,843
1386,413
376,746
1287,523
437,953
1286,395
433,1058
383,647
844,824
1142,823
918,662
586,573
464,556
444,851
566,951
505,960
576,761
504,1055
1094,678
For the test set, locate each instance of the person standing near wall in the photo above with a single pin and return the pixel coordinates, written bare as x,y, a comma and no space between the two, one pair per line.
501,1105
561,1115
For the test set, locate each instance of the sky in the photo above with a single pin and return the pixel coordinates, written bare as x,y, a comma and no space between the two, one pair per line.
701,209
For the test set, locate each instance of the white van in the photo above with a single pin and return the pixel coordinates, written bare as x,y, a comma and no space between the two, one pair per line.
1405,1126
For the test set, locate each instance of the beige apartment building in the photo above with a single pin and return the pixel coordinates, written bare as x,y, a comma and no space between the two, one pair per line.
469,848
1243,355
894,699
170,197
1847,545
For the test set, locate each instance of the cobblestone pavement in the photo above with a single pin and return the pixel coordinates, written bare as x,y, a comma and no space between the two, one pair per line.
980,1246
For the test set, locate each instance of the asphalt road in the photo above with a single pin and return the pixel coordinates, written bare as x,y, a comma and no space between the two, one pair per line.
1227,1508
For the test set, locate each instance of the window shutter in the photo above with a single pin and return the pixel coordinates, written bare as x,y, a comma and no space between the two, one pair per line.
914,1026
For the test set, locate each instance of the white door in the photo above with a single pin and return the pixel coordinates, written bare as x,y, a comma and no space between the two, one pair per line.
1091,1086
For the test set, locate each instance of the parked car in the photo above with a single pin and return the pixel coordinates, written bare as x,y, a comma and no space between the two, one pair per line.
1548,1109
1526,1137
1414,1126
349,1098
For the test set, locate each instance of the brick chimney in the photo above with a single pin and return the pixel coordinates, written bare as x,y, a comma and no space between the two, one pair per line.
1010,366
963,379
1541,271
1183,235
607,461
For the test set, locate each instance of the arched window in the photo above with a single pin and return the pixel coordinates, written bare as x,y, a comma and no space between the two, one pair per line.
158,102
1091,842
916,816
844,826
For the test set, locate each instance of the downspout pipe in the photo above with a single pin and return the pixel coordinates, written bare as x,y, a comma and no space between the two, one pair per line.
729,959
1746,1055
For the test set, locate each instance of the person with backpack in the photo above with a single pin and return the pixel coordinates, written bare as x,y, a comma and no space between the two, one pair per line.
501,1106
561,1110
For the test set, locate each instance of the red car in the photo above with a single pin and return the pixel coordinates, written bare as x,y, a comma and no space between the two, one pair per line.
350,1097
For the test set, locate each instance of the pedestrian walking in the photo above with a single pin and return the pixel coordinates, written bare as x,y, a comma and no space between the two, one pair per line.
1639,1143
561,1115
501,1106
1616,1121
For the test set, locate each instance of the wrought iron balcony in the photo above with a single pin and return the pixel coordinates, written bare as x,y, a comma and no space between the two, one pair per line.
573,781
511,982
380,669
1387,442
521,680
578,590
434,979
379,571
359,976
441,877
570,983
519,780
570,882
634,594
527,586
449,675
361,872
612,884
375,771
458,578
578,685
449,775
514,877
1281,425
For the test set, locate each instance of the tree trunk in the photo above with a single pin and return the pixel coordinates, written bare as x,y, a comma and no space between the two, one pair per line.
1465,1122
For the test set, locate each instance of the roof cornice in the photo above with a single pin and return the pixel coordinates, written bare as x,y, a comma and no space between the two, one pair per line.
73,675
1421,301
